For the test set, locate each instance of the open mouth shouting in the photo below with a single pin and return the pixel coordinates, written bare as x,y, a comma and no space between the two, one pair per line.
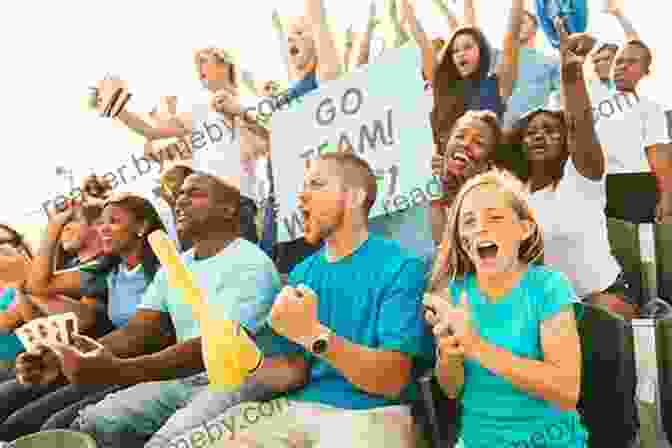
458,162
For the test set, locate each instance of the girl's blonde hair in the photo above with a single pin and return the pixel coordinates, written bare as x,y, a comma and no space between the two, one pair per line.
451,260
222,57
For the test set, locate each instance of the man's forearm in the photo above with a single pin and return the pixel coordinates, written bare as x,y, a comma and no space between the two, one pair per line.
584,145
177,361
373,371
282,373
138,125
134,340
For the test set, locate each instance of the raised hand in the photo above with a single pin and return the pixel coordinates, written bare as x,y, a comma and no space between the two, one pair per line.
226,101
451,320
573,51
613,7
373,20
112,96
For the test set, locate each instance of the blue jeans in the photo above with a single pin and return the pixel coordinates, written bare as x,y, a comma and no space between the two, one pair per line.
153,414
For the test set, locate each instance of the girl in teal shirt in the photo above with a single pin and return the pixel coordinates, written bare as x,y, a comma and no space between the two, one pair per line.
508,345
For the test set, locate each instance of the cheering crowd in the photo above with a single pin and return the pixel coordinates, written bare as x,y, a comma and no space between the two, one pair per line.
483,284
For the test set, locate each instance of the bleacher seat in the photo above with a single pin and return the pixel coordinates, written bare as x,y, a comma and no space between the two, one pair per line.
664,356
608,379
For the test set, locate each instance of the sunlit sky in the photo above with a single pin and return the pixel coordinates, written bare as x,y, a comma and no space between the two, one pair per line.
52,55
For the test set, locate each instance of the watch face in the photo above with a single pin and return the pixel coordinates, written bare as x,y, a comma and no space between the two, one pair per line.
320,346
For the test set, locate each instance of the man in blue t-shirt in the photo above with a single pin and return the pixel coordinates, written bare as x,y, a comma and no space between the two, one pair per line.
350,322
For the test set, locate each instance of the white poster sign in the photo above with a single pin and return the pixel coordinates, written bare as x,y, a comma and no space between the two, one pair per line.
382,111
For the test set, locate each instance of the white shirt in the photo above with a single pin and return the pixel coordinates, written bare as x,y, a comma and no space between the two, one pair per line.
574,229
217,150
626,125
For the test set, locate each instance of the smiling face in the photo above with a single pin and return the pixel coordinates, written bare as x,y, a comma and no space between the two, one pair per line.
490,231
466,54
119,230
544,140
300,43
470,147
630,66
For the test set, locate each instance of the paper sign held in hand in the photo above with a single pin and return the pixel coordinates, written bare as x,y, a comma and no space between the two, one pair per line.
228,352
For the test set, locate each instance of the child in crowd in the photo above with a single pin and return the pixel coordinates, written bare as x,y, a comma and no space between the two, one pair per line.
508,343
463,81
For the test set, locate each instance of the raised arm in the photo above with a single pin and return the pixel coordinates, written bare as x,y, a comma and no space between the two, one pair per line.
140,126
507,69
365,39
282,41
329,66
582,141
401,36
41,280
615,10
449,14
420,36
248,81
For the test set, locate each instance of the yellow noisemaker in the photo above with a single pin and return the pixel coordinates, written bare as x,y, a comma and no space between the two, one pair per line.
229,354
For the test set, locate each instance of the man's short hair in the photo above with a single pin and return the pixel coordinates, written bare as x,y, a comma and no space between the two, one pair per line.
356,173
648,56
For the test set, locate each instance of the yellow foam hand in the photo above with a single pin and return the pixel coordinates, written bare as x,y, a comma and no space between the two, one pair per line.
229,353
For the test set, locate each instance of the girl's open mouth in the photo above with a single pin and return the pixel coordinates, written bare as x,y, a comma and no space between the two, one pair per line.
487,250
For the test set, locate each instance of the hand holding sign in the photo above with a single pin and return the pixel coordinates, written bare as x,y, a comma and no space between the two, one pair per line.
111,96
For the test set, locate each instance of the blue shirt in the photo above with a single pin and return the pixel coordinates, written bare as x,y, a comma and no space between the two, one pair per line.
10,344
411,228
538,77
240,284
368,302
125,290
494,412
487,97
303,86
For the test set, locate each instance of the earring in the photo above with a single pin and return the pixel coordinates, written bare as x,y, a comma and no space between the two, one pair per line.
139,234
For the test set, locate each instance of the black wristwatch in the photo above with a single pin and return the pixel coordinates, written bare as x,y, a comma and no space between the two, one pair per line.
320,344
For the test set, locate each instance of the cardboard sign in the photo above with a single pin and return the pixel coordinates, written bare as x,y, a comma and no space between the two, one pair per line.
381,110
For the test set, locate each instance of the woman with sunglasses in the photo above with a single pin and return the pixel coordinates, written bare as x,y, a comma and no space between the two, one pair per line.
131,264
